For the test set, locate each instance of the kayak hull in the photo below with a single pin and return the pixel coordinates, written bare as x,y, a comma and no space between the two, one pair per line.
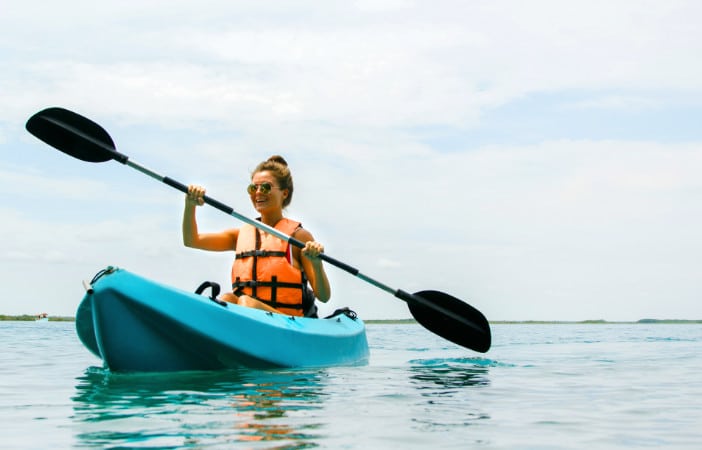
134,324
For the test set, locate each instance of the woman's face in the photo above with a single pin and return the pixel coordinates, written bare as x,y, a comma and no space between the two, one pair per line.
266,201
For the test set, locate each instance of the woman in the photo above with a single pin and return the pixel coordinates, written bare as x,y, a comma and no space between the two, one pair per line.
268,273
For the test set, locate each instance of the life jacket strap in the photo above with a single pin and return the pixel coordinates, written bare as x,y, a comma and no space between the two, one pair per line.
271,284
256,253
274,284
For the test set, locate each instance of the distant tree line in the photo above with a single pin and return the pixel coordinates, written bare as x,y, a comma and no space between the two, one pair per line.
33,317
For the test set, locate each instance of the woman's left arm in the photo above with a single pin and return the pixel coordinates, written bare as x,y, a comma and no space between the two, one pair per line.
313,266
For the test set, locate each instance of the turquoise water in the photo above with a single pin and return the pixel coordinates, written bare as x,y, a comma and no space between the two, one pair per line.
540,387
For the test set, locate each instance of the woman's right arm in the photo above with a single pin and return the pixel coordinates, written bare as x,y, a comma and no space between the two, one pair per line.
225,240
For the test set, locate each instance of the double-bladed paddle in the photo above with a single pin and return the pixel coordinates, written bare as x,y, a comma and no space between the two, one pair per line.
438,312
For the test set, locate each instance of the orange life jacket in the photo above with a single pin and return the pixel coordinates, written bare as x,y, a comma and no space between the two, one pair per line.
263,268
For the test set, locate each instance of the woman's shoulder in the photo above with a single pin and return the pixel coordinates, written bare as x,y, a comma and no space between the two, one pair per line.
302,234
288,226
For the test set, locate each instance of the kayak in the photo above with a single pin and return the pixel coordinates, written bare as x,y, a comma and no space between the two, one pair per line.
137,325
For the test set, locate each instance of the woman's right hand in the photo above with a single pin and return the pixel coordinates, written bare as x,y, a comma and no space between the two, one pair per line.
195,195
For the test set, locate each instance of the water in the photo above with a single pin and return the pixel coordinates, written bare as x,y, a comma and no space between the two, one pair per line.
540,387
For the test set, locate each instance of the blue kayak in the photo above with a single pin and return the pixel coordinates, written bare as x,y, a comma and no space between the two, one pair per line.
134,324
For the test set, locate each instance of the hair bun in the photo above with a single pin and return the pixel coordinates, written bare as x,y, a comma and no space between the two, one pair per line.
278,159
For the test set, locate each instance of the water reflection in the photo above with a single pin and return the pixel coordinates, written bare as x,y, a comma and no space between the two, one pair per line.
445,376
169,410
444,384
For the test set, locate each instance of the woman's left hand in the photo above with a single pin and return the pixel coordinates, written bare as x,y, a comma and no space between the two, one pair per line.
312,250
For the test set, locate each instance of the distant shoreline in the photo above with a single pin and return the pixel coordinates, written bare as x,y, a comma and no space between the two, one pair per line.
32,318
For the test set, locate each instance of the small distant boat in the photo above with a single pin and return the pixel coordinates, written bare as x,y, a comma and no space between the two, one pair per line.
43,317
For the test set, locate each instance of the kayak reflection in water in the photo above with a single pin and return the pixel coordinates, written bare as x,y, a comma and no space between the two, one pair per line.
268,273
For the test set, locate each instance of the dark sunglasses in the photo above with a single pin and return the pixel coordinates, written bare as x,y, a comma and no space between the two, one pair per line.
265,188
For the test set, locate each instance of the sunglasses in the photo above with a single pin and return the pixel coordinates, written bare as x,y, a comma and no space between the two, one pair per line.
265,188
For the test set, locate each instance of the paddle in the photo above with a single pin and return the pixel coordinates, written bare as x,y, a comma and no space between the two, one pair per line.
438,312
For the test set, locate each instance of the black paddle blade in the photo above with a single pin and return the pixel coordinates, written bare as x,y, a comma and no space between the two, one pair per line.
73,134
451,319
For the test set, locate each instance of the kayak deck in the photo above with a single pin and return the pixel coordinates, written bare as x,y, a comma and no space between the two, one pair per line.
134,324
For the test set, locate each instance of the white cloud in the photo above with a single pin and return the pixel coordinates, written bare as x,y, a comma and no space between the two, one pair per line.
618,102
443,64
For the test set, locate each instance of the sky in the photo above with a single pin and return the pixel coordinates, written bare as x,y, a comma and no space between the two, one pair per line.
539,160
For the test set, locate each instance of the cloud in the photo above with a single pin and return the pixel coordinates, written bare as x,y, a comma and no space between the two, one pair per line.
437,65
38,183
618,102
